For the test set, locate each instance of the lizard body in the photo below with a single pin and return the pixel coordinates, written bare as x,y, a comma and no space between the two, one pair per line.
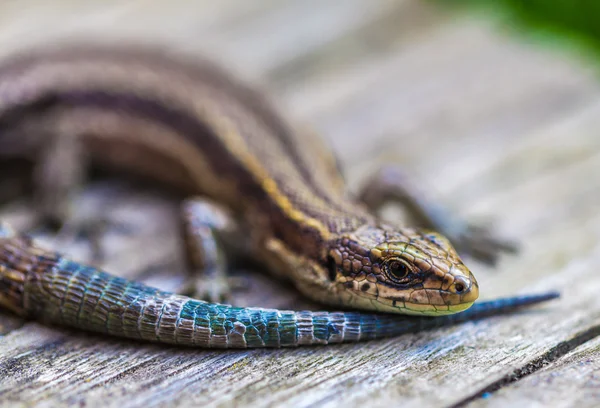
195,127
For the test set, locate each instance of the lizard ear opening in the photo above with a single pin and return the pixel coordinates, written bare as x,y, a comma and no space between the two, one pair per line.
331,268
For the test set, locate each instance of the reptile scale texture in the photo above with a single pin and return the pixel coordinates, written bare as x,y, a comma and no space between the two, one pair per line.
191,125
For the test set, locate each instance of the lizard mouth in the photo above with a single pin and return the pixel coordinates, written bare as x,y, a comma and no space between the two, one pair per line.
420,309
434,310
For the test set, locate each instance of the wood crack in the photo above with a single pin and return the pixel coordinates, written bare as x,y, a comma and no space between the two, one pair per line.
533,366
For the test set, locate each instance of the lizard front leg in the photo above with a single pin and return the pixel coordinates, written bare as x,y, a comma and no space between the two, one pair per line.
209,232
58,178
391,184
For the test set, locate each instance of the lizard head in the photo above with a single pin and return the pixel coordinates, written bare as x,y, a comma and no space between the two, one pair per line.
412,272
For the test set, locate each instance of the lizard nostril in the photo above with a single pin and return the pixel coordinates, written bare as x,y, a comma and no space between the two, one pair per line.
461,285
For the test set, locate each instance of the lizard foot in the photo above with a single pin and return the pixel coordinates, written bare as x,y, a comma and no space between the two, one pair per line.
480,243
215,289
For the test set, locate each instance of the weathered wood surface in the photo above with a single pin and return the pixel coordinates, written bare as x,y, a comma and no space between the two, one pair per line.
571,381
495,127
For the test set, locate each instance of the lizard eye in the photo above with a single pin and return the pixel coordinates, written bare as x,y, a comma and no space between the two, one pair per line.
397,270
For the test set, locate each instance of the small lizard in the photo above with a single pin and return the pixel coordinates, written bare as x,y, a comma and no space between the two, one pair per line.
193,126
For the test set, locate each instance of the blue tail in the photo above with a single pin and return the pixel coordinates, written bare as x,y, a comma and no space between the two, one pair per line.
390,325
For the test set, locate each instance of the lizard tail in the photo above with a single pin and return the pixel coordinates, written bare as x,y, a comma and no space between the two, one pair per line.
46,286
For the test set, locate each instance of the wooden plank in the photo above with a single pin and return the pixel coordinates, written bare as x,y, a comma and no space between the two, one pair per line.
33,22
571,381
494,127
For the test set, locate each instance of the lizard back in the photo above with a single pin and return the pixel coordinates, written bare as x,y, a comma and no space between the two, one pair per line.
187,123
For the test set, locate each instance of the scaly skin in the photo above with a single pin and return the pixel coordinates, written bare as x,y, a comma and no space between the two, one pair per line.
46,286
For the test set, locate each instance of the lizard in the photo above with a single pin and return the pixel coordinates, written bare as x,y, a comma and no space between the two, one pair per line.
192,125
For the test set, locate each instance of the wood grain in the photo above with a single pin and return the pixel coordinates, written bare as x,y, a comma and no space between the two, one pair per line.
499,129
570,381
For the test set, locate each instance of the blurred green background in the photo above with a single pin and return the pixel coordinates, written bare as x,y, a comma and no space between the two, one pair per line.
571,24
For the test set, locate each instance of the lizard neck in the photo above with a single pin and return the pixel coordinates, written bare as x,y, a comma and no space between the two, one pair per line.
308,226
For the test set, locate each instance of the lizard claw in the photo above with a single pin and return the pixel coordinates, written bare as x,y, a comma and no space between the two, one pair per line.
480,243
214,290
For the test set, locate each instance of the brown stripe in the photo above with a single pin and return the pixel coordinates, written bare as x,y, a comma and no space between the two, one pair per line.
203,71
301,238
